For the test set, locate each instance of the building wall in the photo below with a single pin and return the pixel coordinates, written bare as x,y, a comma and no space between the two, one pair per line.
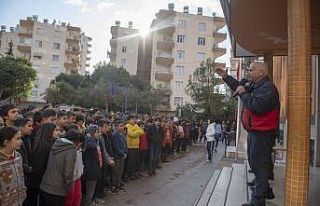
51,48
124,48
184,57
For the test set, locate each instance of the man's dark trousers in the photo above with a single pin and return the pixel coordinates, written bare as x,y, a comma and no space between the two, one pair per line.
260,144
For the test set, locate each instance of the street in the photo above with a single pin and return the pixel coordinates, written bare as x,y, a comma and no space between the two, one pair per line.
178,183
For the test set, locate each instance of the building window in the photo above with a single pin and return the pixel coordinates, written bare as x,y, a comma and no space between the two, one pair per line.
55,58
40,31
124,49
34,93
29,30
201,56
178,101
123,63
57,34
179,70
201,41
25,41
202,26
179,85
181,38
39,43
180,54
37,56
56,45
182,23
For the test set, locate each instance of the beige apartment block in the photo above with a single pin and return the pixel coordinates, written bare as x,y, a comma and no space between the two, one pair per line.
181,41
124,47
52,49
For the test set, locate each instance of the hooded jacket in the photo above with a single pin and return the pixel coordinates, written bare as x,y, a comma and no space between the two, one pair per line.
133,134
60,170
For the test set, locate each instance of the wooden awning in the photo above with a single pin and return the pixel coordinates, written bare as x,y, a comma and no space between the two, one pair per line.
259,27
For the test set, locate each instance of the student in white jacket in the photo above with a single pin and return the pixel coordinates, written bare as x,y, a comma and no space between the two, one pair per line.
210,139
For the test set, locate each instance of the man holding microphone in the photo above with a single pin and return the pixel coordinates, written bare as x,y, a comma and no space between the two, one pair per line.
260,117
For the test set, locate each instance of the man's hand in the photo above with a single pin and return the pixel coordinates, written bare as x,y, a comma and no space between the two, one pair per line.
240,89
221,72
111,162
125,156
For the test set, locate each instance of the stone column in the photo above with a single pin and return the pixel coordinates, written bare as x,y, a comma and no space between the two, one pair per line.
299,96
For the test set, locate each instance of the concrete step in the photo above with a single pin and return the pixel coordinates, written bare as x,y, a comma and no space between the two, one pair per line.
219,195
237,192
231,151
205,195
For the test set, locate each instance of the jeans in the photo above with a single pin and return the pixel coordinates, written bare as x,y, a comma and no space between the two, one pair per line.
132,161
118,171
209,149
154,151
90,187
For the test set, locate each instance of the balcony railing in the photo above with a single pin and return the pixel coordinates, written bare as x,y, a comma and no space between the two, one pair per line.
164,77
165,45
24,48
73,51
25,34
218,51
164,61
167,30
219,37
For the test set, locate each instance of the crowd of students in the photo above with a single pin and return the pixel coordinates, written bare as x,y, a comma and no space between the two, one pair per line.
51,157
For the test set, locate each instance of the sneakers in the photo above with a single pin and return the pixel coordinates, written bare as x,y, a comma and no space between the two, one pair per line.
115,191
208,161
121,189
251,183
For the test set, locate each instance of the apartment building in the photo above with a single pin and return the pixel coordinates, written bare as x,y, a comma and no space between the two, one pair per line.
52,49
181,41
124,47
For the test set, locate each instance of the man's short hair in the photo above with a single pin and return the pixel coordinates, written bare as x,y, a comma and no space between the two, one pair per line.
117,122
49,113
71,114
4,110
263,65
61,113
103,122
22,122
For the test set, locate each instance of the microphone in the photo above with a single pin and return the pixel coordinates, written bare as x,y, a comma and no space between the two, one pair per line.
243,82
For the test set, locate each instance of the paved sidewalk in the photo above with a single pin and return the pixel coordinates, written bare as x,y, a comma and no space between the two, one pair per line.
178,183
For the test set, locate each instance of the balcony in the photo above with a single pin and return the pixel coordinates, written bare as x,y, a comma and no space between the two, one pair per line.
165,45
25,34
164,61
219,22
219,37
218,52
26,23
73,51
72,28
113,43
73,39
112,57
164,77
167,30
24,48
71,65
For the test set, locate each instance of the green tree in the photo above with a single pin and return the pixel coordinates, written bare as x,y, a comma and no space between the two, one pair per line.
202,87
16,77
